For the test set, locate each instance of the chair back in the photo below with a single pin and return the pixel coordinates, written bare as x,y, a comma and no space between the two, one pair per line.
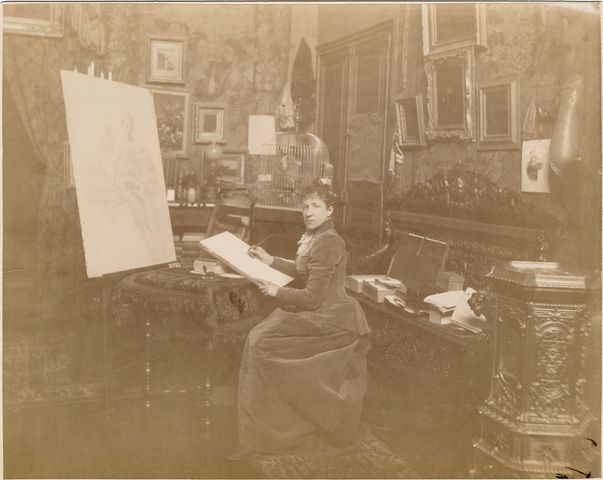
233,213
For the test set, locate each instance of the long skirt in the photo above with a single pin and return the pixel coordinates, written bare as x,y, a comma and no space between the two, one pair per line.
300,377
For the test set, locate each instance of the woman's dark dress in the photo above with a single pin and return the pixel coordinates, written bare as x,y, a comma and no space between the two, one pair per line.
303,371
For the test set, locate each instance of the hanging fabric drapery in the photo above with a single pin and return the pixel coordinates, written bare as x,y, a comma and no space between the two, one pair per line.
31,74
303,85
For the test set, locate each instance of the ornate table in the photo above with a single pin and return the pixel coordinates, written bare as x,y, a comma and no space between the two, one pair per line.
224,309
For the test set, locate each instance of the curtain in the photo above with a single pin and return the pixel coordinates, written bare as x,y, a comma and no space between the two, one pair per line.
31,72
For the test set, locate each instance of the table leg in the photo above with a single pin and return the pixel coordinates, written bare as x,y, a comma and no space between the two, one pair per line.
208,383
147,362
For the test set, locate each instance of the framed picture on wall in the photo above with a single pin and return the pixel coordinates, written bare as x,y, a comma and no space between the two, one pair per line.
41,19
498,113
165,60
171,112
450,27
410,123
231,167
208,121
450,95
535,166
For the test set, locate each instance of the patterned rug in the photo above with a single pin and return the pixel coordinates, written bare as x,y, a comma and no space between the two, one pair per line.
368,458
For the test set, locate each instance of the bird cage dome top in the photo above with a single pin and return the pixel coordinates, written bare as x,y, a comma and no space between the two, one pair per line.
303,146
299,159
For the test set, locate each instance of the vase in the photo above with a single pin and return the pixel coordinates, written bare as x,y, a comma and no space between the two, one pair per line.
191,195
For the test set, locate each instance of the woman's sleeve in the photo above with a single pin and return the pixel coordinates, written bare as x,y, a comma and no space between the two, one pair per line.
285,266
326,253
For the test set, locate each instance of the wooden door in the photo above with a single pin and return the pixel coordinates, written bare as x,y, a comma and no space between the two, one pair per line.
367,136
353,96
332,128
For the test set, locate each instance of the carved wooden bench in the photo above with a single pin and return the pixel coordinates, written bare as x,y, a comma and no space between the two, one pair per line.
483,225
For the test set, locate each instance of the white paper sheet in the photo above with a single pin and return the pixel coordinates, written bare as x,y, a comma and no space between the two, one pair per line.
233,251
118,174
261,138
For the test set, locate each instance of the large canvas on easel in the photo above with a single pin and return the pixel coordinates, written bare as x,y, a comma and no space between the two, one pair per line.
118,174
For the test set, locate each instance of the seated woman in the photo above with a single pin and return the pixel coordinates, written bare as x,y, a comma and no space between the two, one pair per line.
303,373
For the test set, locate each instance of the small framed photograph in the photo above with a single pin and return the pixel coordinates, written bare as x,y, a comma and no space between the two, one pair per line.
410,122
40,19
165,60
535,166
208,121
498,111
450,27
450,95
231,167
171,112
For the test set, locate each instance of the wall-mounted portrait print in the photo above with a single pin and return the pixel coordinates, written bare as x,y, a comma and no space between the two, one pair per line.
535,166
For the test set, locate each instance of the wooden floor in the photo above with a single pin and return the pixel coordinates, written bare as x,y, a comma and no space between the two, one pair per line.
170,441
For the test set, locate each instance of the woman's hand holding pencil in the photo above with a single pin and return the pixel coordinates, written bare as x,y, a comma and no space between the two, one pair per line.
255,251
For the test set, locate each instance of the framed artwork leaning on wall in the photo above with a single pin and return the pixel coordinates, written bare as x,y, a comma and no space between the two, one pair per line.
410,122
230,169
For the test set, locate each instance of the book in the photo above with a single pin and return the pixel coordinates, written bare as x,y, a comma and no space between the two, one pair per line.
234,252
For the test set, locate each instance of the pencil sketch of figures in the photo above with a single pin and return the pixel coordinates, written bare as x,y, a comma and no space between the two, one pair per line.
137,181
118,175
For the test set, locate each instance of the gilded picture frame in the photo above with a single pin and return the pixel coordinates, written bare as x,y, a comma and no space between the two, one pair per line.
450,95
410,122
165,60
498,114
448,27
208,122
38,19
172,113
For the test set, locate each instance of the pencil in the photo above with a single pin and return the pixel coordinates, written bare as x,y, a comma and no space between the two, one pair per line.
258,244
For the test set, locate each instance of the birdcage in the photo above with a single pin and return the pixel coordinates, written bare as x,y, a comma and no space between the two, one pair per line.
299,159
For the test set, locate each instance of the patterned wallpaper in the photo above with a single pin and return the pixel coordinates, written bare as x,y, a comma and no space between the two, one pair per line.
520,42
541,45
235,55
